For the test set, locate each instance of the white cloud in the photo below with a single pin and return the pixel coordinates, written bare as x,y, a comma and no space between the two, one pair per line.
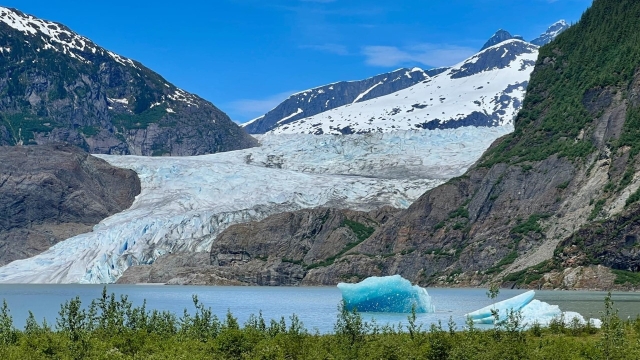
426,54
243,110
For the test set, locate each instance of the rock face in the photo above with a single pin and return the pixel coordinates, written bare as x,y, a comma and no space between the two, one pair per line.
58,86
49,193
614,243
283,249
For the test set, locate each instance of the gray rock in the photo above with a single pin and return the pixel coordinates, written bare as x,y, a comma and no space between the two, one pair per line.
52,192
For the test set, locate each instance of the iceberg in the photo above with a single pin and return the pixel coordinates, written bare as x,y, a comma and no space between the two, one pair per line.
531,310
485,316
392,294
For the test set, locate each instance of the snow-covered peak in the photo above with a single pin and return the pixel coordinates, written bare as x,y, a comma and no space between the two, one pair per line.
56,36
552,32
486,89
314,101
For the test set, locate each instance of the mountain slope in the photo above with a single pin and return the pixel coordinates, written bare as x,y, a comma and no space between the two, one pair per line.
60,86
314,101
484,90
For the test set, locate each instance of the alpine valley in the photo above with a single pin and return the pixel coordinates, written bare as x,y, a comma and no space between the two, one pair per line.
447,176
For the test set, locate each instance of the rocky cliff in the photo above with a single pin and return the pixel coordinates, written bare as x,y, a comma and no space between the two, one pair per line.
282,249
58,86
49,193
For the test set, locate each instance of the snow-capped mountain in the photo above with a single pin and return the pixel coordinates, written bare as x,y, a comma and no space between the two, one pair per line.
484,90
552,32
186,202
495,104
314,101
59,86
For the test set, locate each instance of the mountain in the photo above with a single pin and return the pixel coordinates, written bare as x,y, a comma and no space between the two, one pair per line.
49,193
485,90
58,86
322,110
498,37
552,32
314,101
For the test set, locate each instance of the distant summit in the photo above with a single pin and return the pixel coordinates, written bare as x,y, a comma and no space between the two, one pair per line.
552,32
499,37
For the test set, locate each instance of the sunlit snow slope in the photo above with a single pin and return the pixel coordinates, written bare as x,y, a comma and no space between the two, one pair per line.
485,90
186,201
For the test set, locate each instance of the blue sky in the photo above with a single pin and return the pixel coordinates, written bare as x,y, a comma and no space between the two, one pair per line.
246,56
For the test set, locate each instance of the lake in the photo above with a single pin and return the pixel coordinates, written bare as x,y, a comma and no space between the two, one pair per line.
315,306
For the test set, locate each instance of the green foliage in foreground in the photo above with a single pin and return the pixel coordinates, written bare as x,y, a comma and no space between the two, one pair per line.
112,328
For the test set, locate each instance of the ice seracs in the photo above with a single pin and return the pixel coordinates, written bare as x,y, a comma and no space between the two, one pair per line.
391,294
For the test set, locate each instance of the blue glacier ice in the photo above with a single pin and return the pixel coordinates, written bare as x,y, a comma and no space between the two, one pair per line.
532,312
392,294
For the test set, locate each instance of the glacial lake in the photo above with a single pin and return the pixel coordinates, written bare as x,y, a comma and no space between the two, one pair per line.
315,306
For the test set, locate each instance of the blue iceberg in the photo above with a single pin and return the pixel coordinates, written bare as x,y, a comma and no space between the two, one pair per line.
392,294
532,312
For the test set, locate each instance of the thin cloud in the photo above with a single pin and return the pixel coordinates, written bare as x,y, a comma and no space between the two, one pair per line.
247,109
425,54
329,48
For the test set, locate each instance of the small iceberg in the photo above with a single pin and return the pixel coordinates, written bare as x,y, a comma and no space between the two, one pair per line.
532,312
392,294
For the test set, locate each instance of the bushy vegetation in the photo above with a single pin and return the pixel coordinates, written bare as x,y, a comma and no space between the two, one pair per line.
600,52
140,120
113,328
362,231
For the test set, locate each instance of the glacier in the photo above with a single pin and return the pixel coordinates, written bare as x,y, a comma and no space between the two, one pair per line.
532,311
186,202
391,294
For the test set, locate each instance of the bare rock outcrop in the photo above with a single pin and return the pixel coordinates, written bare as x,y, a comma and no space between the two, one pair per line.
49,193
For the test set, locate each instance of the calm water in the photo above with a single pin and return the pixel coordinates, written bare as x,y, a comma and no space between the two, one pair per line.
315,306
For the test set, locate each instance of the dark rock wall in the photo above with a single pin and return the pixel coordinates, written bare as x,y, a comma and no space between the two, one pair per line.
49,193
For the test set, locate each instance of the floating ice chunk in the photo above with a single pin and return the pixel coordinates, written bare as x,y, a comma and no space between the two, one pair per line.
532,312
386,294
516,303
